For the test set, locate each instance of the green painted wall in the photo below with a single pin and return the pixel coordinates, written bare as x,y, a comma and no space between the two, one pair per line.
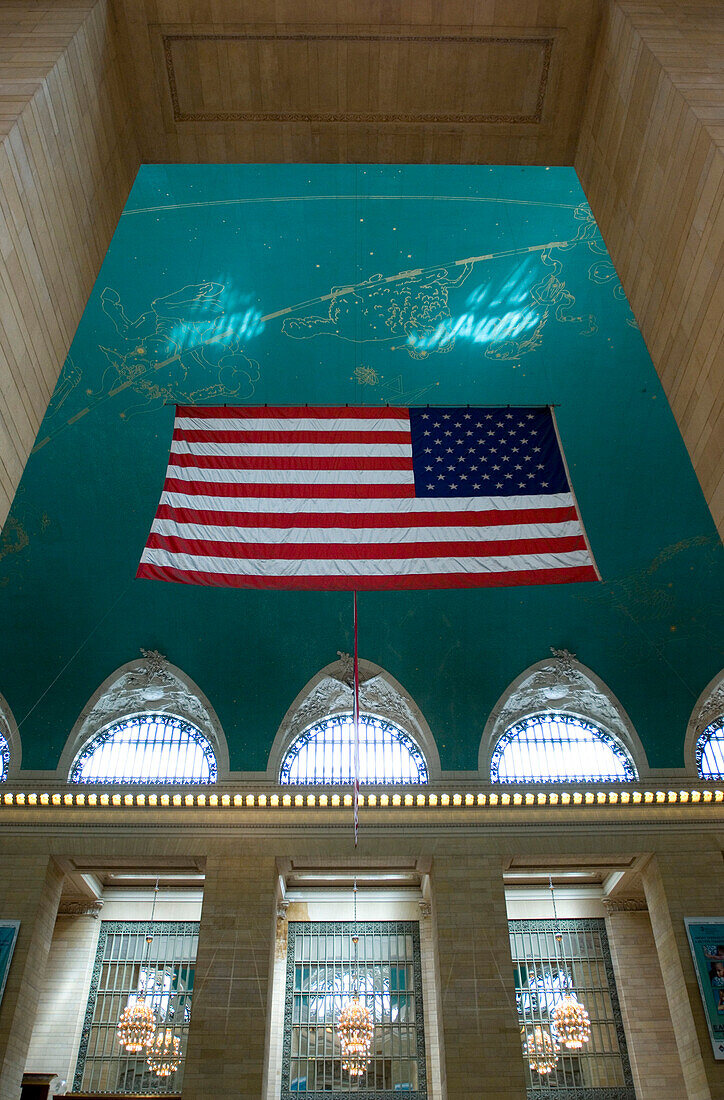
223,275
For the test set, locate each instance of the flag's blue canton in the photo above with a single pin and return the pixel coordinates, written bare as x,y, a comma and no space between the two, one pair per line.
471,452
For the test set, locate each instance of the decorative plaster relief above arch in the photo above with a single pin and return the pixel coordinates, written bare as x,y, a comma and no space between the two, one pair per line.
150,684
9,730
560,683
330,692
708,707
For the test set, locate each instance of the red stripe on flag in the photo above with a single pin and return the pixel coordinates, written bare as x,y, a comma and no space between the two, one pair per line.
361,520
363,552
280,462
292,412
293,436
311,490
567,575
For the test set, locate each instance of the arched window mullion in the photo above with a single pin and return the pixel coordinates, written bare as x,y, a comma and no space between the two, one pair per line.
152,749
559,748
323,754
710,751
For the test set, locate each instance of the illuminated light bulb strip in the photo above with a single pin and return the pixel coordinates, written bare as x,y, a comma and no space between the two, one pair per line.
431,800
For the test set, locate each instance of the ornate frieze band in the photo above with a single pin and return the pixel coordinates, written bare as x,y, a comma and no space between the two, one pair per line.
532,117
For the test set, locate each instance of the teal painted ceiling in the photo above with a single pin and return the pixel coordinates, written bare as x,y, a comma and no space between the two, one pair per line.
222,284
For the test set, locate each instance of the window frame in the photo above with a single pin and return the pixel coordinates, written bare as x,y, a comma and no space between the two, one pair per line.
534,927
602,735
322,725
361,928
101,737
714,730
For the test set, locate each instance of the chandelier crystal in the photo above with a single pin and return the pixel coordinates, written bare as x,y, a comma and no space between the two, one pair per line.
164,1053
571,1023
541,1049
136,1026
355,1029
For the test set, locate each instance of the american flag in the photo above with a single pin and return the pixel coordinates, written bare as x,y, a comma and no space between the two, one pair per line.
365,498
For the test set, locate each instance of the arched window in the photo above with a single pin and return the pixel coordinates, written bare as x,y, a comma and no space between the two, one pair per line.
4,758
324,753
150,748
559,748
710,751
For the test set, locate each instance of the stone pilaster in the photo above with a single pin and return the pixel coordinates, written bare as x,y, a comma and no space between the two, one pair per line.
29,892
226,1054
482,1050
686,884
649,1032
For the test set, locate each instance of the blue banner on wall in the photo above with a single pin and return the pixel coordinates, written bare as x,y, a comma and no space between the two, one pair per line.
706,940
8,936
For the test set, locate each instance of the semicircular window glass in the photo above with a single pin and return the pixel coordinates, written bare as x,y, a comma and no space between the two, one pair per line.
150,748
4,758
710,751
324,753
559,748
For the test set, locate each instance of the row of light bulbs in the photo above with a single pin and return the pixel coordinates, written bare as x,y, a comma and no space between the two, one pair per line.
105,799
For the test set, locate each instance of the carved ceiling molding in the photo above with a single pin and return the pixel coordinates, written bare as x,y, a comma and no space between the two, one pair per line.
79,907
534,117
711,709
149,686
331,693
560,684
625,905
334,695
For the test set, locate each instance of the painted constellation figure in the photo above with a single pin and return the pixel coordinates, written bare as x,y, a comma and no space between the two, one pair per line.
412,306
174,350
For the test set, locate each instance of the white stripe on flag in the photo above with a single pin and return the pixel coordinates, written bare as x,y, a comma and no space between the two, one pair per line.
293,477
384,567
295,449
387,535
347,505
301,424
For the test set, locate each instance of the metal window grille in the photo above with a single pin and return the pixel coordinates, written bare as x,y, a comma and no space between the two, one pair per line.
559,748
4,758
126,967
150,748
710,751
320,981
544,973
324,754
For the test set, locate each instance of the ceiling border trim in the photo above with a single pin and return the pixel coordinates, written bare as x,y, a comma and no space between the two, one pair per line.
534,118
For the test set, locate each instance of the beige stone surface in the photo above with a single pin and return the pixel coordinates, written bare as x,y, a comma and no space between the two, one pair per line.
29,892
227,1039
689,883
645,1010
478,1012
68,156
651,161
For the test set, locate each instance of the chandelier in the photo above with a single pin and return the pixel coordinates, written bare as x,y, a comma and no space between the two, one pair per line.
571,1023
570,1020
355,1027
164,1053
137,1022
356,1031
541,1049
136,1026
